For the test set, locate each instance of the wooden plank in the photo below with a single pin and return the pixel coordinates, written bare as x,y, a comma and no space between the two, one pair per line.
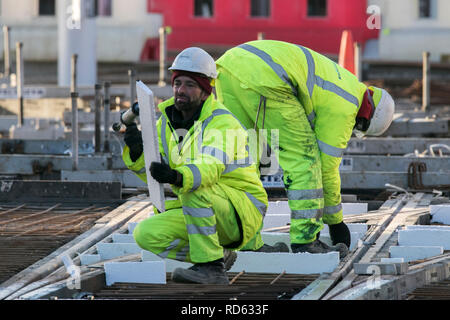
150,139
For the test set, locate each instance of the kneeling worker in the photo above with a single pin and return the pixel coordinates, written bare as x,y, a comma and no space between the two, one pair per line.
221,200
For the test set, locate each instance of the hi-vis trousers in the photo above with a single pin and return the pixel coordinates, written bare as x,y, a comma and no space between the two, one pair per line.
194,229
298,154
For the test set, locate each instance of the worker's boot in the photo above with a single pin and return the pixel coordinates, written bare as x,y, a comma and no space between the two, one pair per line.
229,257
202,273
277,247
318,246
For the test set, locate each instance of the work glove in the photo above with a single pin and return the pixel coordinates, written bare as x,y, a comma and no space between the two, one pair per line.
163,173
133,139
340,233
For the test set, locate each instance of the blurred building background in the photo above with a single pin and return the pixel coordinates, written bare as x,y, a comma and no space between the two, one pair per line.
128,30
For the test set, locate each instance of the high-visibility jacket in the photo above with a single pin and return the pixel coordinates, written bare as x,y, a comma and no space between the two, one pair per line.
215,150
330,95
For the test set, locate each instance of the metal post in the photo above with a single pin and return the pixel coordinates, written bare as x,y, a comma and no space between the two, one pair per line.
162,56
132,77
358,61
426,81
74,96
107,105
20,78
7,61
73,76
261,35
98,105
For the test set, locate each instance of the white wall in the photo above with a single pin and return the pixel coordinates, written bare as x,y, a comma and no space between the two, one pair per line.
120,37
404,36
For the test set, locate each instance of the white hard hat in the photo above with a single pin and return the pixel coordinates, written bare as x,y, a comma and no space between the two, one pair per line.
195,60
383,115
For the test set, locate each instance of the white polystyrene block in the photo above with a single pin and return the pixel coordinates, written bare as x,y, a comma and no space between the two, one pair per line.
428,227
170,263
123,238
354,208
114,250
440,214
271,238
276,220
294,263
131,226
412,253
392,260
135,272
278,207
86,259
421,237
353,227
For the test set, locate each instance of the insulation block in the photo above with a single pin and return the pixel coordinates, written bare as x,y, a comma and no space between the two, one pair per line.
440,213
169,263
123,238
411,253
114,250
424,237
293,263
86,259
135,272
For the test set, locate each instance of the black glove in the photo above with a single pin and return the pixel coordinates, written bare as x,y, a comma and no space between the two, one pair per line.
133,139
340,233
163,173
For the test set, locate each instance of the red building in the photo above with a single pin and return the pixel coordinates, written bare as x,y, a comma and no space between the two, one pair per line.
317,24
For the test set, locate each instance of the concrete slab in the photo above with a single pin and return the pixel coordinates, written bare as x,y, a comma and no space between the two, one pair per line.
122,238
293,263
440,213
424,238
114,250
412,253
135,272
169,263
86,259
276,220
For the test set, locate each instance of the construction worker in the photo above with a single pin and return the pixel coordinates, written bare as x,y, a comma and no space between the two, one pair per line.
315,105
221,200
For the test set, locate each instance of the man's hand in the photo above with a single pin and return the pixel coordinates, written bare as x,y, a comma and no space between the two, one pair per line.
163,173
133,139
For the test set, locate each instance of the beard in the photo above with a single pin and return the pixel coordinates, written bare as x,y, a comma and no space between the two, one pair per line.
186,103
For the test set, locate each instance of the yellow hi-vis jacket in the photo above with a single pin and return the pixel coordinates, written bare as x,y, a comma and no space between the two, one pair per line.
330,95
215,150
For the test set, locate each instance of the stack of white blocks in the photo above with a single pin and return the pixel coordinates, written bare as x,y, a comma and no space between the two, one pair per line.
152,268
424,241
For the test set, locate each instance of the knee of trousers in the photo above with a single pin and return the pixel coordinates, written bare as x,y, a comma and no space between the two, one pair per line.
157,232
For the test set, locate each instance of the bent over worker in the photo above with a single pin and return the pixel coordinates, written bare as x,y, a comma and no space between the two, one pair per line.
315,105
221,200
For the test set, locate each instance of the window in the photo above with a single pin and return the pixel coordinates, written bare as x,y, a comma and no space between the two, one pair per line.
317,8
427,8
260,8
203,8
103,8
46,7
